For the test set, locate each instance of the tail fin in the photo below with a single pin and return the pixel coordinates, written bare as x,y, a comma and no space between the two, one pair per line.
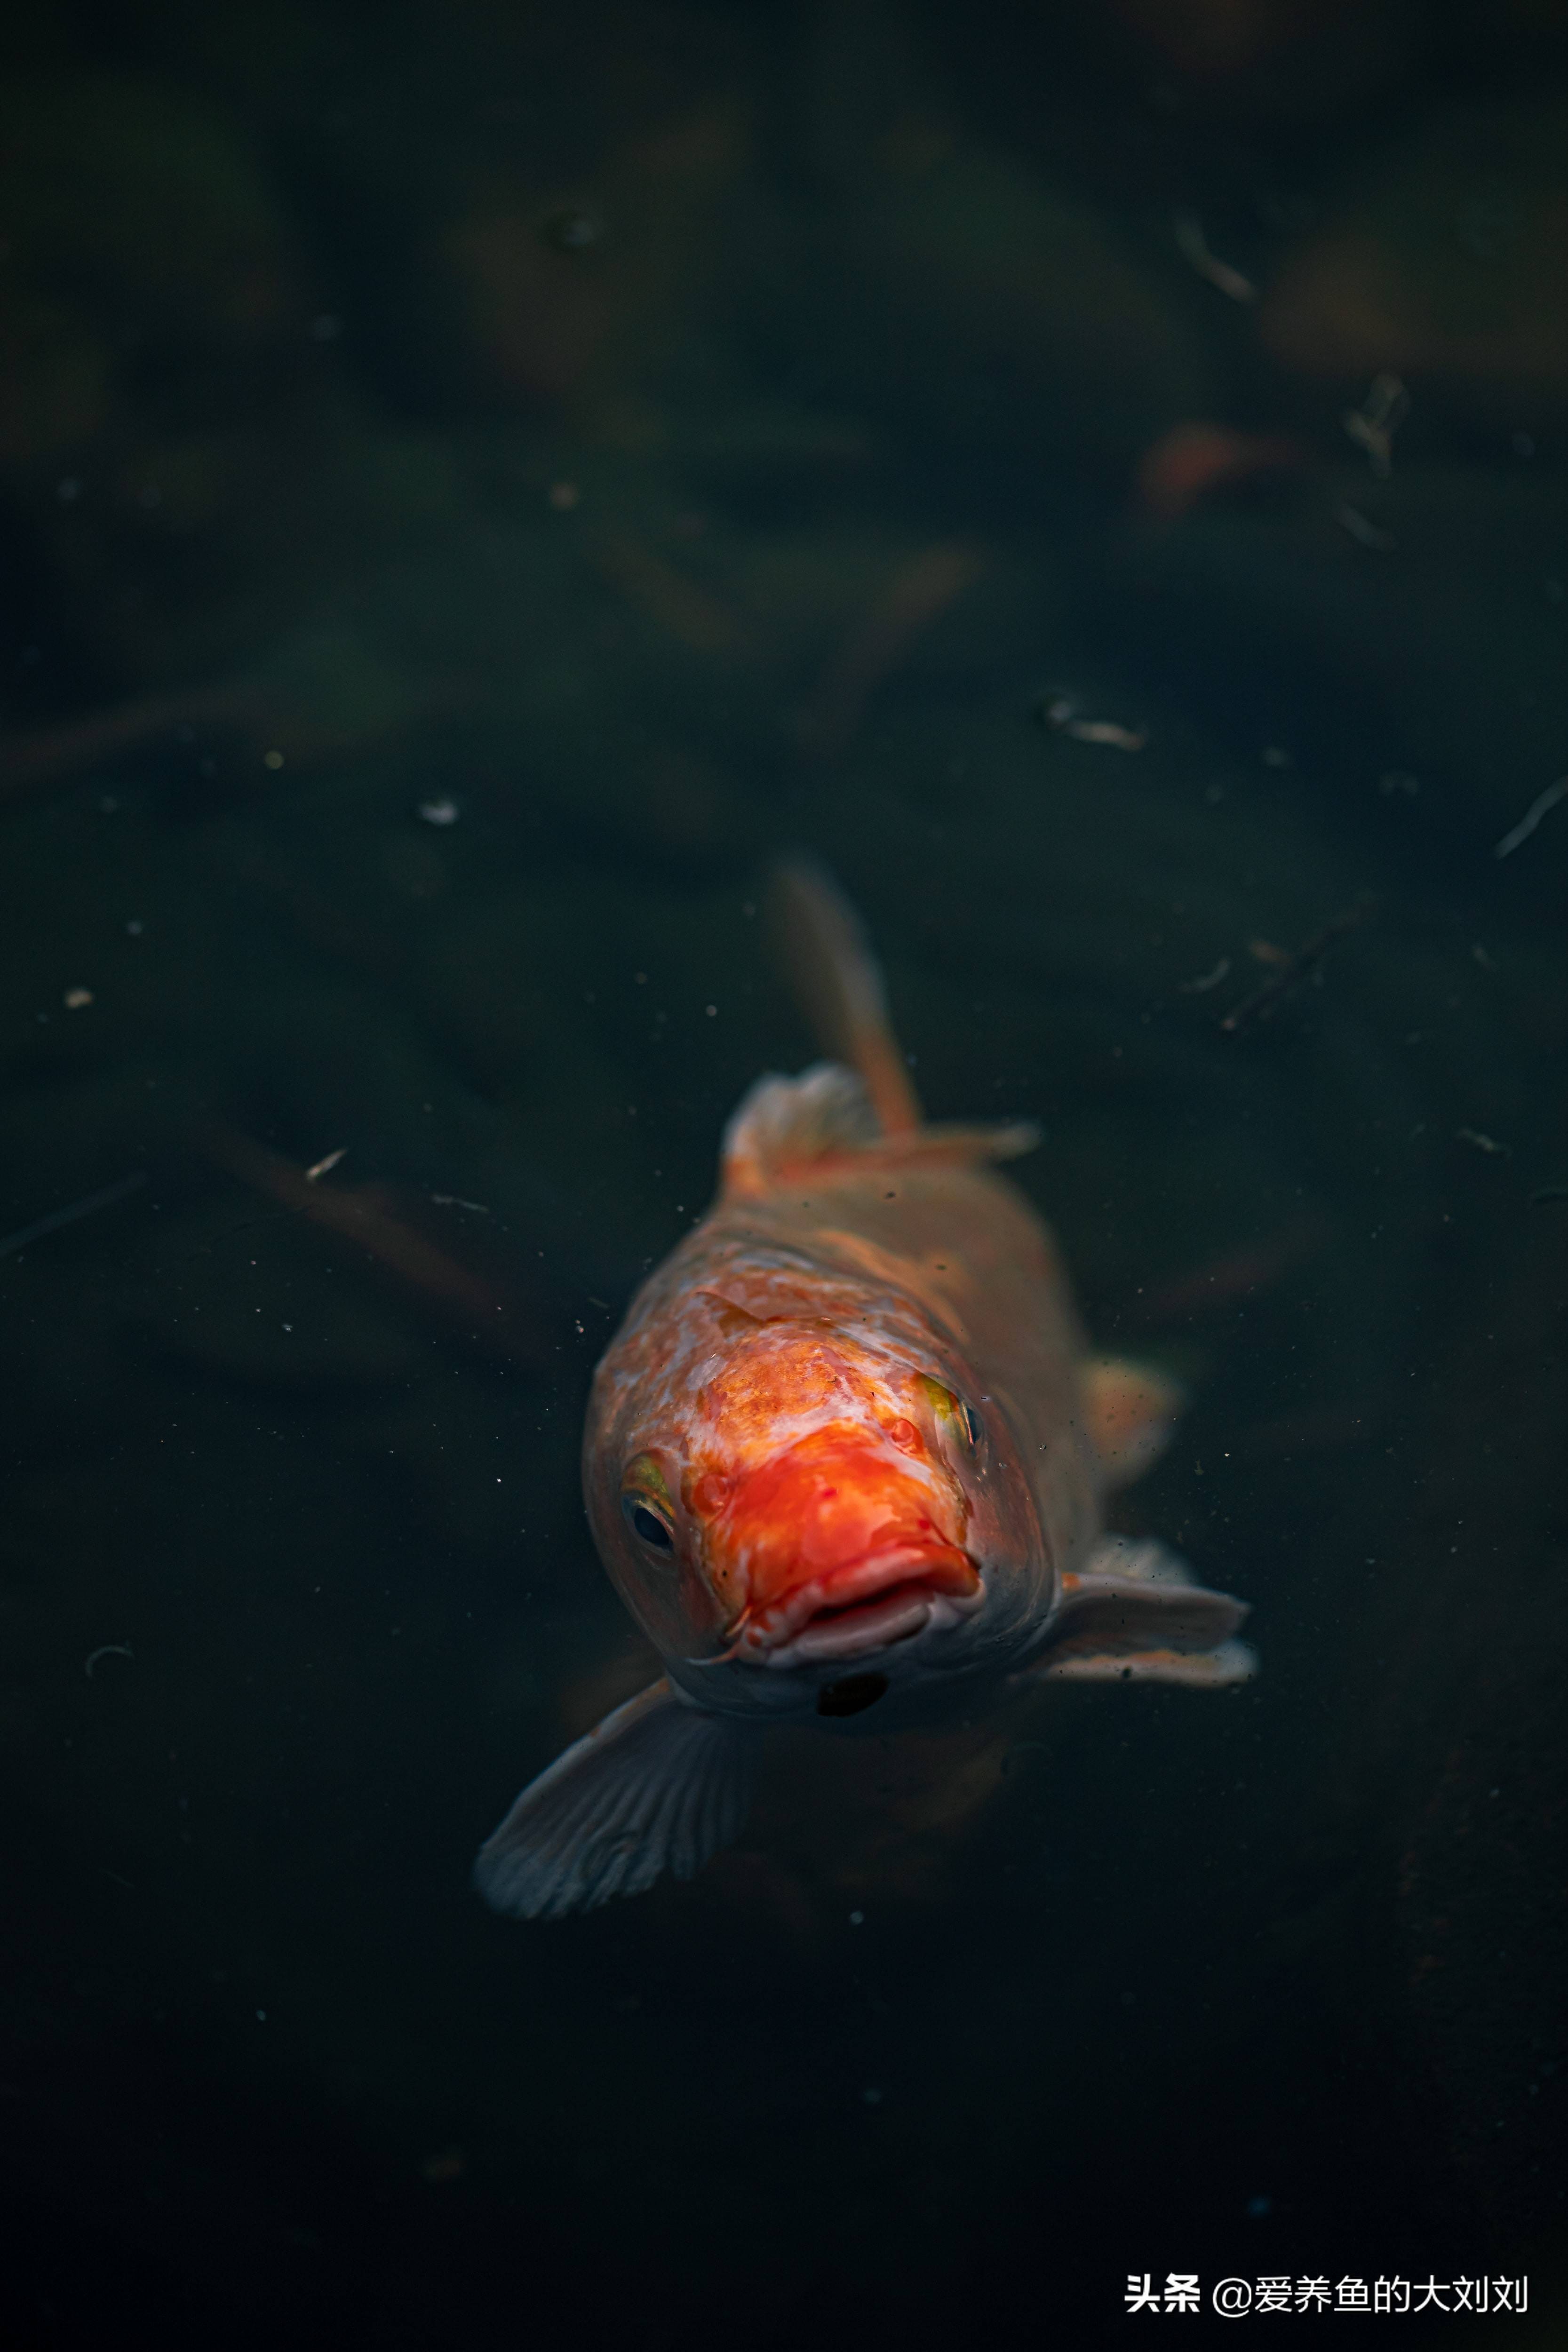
838,986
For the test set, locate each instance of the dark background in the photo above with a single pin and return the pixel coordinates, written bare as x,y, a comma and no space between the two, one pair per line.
475,484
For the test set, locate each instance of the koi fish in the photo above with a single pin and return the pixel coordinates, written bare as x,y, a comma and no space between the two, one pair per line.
845,1461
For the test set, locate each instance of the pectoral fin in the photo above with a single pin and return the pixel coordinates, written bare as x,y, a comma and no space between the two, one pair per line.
1131,1411
1135,1615
657,1785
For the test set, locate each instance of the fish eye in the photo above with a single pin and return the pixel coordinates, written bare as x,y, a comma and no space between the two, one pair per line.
960,1420
646,1504
648,1522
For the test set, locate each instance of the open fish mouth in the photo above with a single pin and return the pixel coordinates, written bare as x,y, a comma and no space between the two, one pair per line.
869,1605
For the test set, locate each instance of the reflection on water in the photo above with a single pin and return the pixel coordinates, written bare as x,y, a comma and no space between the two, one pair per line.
476,488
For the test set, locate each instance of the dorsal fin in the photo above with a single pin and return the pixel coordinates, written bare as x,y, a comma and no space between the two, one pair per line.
786,1123
838,985
785,1126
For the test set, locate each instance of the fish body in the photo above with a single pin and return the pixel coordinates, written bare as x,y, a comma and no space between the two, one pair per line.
846,1460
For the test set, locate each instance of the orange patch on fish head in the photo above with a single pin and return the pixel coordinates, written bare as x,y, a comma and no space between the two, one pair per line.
828,1507
819,1499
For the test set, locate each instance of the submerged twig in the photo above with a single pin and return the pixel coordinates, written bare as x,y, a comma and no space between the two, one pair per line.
1374,425
85,1207
1289,974
362,1213
37,756
667,594
1539,807
106,1650
1364,531
1193,246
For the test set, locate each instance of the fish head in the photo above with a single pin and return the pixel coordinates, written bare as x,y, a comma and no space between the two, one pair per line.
819,1508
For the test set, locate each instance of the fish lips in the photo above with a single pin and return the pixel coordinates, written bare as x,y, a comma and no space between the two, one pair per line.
868,1605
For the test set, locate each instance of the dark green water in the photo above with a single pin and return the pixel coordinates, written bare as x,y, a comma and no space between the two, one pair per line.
478,484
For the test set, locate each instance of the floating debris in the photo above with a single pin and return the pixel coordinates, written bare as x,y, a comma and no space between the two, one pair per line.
77,999
85,1207
1539,1199
1539,807
106,1650
1364,531
1105,730
323,1167
561,496
1374,425
1061,715
1290,970
1193,246
1487,1143
1201,986
443,811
